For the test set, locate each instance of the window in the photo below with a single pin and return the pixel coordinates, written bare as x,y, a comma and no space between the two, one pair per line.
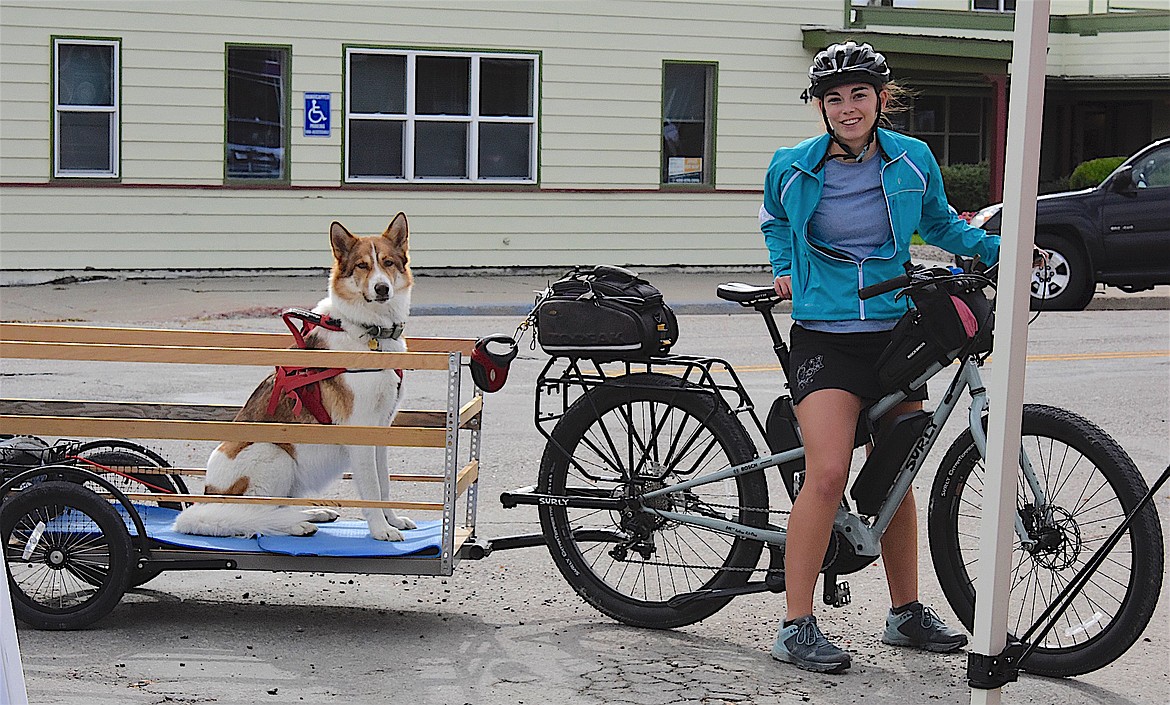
86,95
256,110
688,116
1153,171
953,125
994,5
439,116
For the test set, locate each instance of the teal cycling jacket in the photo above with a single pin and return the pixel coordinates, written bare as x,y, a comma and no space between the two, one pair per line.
825,282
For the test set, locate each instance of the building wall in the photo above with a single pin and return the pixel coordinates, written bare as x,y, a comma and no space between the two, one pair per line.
598,198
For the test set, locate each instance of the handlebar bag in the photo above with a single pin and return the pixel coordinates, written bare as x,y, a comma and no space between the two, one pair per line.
942,326
604,313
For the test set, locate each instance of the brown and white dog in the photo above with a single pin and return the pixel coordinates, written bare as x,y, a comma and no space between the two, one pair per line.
369,296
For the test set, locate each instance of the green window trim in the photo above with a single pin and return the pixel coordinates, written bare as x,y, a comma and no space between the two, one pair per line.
862,16
285,177
711,101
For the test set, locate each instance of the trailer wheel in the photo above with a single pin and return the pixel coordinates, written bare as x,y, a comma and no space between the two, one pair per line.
68,555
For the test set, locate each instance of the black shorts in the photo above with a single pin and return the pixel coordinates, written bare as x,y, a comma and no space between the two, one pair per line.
838,361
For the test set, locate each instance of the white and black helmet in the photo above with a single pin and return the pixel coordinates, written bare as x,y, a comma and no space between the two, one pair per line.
839,64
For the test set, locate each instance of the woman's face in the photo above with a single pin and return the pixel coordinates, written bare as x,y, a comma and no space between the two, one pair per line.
852,110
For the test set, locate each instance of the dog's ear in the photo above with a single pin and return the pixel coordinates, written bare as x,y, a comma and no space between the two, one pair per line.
398,232
340,239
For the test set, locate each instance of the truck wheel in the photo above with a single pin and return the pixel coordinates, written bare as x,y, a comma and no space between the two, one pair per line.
1066,284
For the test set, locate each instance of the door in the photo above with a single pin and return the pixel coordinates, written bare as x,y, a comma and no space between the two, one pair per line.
1136,223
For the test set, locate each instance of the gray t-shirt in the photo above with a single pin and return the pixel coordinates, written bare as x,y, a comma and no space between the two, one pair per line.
852,219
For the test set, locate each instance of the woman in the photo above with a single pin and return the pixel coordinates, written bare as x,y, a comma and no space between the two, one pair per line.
838,214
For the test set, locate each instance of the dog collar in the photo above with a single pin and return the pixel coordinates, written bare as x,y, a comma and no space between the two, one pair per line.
379,333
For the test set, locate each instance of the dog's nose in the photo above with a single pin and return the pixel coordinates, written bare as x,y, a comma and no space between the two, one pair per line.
381,290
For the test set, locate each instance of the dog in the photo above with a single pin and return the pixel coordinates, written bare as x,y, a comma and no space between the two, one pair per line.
368,304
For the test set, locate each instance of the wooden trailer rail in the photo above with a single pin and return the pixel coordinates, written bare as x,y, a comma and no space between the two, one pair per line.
207,422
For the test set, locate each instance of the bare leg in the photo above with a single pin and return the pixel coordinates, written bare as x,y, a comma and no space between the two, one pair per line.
900,542
828,418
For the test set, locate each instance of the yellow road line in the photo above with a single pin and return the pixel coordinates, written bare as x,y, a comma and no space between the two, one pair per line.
1031,358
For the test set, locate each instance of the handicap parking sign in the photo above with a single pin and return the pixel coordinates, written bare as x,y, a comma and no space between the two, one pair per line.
317,114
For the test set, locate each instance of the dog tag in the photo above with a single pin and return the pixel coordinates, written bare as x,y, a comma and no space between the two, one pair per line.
373,343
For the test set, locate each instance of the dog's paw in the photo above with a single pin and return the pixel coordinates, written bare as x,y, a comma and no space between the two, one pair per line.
321,515
387,534
302,528
400,522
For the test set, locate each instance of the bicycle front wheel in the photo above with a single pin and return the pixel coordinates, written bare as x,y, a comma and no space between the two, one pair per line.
1088,486
634,435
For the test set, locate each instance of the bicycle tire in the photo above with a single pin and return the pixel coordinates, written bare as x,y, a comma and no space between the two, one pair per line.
1091,484
117,453
627,436
68,553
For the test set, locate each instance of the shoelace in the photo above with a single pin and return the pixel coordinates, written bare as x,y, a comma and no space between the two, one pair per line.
930,617
809,635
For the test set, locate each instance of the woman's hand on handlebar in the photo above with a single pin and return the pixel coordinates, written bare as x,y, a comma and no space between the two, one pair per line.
783,287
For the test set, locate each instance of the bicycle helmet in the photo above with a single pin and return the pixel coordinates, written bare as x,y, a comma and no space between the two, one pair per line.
847,63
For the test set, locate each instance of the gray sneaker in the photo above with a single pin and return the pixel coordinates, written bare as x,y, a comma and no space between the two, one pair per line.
920,627
802,644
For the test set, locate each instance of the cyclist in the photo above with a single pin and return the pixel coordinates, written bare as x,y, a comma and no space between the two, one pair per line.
838,213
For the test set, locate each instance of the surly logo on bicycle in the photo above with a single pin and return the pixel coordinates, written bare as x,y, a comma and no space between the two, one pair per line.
554,501
921,445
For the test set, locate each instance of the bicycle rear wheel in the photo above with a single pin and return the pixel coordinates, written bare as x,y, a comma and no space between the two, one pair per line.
630,436
1090,486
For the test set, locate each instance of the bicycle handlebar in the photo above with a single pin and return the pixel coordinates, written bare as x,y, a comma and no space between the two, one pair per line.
899,282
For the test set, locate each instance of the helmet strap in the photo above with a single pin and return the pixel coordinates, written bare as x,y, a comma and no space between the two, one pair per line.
849,152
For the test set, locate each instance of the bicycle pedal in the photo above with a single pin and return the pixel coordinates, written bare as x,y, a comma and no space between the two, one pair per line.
838,595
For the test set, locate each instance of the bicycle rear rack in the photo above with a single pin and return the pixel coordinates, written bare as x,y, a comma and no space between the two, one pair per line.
585,375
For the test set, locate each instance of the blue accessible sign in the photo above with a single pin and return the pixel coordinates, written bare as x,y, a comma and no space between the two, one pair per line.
317,114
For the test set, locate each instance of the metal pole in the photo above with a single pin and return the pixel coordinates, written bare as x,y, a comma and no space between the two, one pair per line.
1006,391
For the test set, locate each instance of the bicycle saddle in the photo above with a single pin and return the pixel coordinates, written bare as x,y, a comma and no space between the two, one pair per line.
744,293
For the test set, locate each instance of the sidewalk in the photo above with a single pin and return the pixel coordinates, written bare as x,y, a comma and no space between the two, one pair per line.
136,297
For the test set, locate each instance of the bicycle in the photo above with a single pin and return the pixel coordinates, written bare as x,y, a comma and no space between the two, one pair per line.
654,502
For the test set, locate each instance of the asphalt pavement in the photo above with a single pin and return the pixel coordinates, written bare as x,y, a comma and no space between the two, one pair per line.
171,296
506,630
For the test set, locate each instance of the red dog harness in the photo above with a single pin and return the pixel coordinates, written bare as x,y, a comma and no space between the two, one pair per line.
302,384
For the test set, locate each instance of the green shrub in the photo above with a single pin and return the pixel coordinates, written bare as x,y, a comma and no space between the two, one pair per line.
1093,172
967,185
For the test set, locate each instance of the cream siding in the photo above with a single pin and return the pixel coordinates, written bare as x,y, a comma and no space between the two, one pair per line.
598,196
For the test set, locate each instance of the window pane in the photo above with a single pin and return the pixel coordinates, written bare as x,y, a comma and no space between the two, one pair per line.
964,150
85,141
440,149
377,83
443,85
685,92
505,87
930,113
85,74
256,109
504,150
375,148
966,114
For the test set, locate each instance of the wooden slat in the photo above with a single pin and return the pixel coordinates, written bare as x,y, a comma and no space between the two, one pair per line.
468,475
223,431
425,418
470,410
201,472
285,501
48,333
223,356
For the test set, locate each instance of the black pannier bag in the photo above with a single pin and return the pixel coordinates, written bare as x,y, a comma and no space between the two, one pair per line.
604,313
943,325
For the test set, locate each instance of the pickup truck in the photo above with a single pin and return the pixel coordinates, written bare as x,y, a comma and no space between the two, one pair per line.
1116,234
